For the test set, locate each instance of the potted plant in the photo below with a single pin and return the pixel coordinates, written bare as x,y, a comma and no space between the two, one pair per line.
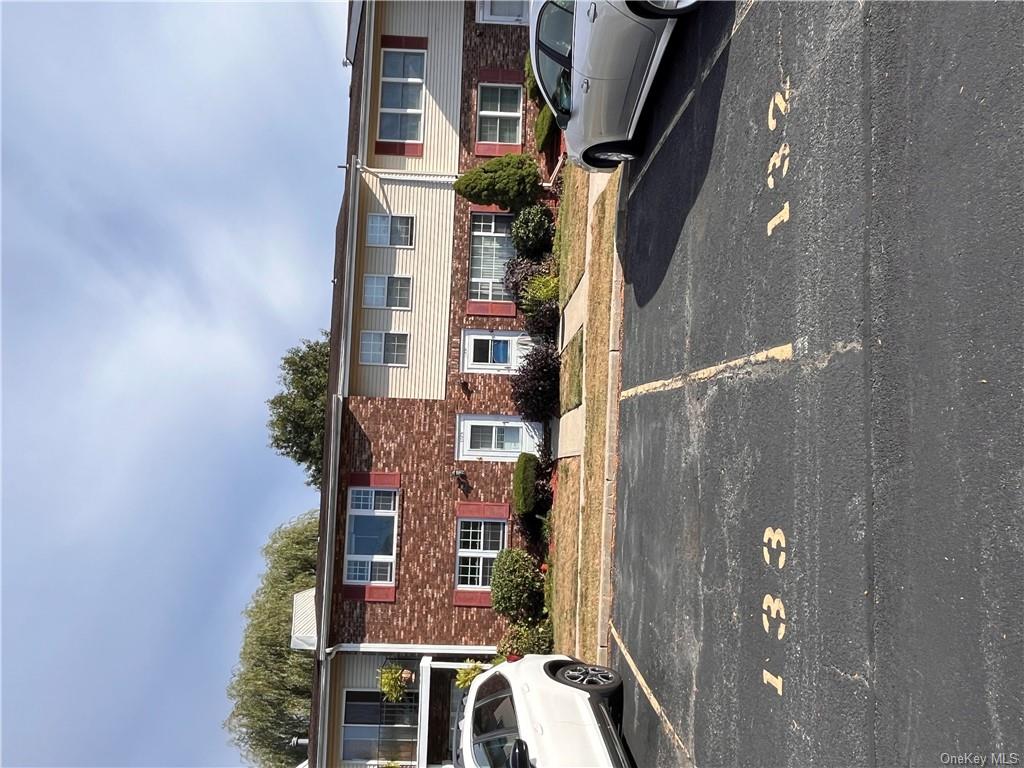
465,676
394,679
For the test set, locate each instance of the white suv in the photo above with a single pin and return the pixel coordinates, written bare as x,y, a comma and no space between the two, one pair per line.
541,712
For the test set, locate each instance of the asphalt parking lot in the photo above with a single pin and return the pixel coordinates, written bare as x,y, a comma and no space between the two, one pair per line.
818,548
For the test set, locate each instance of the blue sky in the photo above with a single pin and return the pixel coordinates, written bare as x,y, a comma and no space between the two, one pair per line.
170,193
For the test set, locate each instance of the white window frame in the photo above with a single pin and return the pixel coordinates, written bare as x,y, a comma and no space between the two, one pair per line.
519,344
392,558
383,341
385,305
482,554
472,234
483,15
389,217
344,725
530,437
422,82
489,113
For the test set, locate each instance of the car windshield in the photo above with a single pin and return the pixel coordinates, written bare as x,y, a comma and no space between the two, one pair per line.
556,82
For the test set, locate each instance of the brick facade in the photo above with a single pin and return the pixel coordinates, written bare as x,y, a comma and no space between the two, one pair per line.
417,438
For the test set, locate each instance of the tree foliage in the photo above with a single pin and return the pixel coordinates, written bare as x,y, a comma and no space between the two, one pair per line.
298,411
510,181
270,688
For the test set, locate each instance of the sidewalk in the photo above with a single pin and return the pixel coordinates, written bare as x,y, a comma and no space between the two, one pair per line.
583,516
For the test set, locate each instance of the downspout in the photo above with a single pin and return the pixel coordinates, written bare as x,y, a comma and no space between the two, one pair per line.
324,653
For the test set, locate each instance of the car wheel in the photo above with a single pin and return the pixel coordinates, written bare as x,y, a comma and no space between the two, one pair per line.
589,677
646,9
609,155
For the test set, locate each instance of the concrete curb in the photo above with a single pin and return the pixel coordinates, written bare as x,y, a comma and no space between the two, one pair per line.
611,437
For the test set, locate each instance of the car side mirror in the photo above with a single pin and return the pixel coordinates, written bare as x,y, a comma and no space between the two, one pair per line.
519,757
562,121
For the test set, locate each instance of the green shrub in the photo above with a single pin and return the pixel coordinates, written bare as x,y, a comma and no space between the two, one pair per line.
542,322
517,590
509,181
529,81
545,128
533,230
518,271
522,638
524,484
465,676
535,383
539,290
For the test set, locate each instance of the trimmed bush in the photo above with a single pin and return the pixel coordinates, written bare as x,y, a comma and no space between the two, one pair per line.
535,383
518,271
524,638
545,128
517,589
532,231
510,181
543,322
524,484
529,81
539,290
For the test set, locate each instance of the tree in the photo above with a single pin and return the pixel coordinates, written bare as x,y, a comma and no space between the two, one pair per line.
297,412
271,685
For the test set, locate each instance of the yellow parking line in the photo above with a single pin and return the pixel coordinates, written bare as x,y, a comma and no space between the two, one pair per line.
648,693
781,353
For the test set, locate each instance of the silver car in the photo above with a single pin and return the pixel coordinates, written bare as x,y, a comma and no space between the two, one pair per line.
594,62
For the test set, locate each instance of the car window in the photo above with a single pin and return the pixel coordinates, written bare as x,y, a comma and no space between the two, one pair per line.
554,27
494,714
556,82
494,752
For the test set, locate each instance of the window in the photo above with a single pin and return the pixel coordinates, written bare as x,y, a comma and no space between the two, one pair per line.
554,53
493,352
500,114
379,348
491,250
370,536
497,438
479,542
495,727
501,12
366,737
385,230
387,291
401,96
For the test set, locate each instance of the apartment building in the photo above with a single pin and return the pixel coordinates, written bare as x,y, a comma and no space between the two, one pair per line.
422,433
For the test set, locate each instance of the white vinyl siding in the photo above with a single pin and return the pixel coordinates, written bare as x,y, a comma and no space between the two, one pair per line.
493,352
383,230
401,95
496,438
499,115
442,24
478,544
370,536
490,251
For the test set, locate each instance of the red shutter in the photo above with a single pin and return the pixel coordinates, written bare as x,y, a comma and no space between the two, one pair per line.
375,480
491,308
404,41
483,509
369,593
